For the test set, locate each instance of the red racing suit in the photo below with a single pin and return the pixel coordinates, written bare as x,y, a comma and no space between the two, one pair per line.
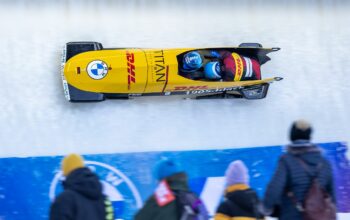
239,68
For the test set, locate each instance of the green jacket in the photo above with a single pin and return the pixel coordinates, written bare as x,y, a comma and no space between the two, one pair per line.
151,210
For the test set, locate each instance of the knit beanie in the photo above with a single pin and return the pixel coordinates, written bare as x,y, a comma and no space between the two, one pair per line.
71,162
165,168
237,173
301,130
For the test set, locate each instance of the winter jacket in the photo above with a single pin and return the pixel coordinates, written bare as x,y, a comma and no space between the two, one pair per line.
291,176
82,199
241,203
152,211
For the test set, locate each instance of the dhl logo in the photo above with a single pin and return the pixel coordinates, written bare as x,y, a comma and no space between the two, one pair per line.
239,66
177,88
131,68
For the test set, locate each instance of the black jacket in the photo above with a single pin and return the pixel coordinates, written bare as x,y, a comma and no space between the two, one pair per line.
152,211
240,201
82,198
291,176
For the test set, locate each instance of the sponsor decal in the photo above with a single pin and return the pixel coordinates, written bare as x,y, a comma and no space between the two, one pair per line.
159,66
97,69
178,88
239,66
119,189
131,68
135,94
195,92
64,81
166,78
249,67
65,88
163,194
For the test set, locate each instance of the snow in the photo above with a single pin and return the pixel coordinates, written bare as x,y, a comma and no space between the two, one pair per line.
37,120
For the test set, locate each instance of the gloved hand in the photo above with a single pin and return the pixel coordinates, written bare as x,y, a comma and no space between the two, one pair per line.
214,54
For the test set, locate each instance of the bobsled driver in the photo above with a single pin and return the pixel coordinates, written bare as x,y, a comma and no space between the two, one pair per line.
219,66
192,65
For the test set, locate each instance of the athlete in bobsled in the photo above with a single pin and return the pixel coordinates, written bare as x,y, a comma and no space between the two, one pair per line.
219,65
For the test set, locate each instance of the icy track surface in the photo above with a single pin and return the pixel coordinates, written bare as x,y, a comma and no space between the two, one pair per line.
36,119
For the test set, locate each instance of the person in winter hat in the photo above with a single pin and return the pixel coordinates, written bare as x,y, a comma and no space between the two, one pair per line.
82,198
170,195
70,163
292,176
300,131
237,173
241,202
166,168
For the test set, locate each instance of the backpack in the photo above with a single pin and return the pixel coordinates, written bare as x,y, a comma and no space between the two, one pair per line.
190,207
317,204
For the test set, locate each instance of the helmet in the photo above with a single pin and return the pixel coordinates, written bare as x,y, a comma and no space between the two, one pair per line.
192,61
212,70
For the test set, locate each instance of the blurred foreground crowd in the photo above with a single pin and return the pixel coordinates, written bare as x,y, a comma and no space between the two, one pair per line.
300,189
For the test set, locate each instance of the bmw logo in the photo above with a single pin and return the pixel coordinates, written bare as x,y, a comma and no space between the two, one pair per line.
97,69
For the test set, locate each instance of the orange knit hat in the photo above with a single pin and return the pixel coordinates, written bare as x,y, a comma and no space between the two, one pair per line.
71,162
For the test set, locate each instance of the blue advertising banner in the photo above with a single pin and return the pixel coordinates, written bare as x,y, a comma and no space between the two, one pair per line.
28,185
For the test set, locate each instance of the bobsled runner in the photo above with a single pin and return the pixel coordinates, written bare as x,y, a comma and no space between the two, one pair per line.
93,73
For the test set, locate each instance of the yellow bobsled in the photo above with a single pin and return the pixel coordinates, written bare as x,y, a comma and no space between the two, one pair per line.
93,73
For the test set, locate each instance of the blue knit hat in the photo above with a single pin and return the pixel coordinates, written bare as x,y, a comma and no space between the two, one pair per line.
165,168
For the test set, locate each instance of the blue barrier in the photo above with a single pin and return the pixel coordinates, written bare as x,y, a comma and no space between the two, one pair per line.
27,185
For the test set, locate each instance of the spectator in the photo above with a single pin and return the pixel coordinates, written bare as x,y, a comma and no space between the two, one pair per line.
241,202
292,180
82,198
172,199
